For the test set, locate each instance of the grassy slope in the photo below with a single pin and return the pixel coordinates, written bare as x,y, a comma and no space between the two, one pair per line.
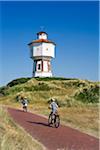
77,98
13,137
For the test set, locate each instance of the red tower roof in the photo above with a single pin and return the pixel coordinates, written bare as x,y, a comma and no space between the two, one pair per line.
41,41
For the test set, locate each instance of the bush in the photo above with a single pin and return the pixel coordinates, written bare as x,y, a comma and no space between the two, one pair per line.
18,81
53,78
4,90
15,89
41,87
89,95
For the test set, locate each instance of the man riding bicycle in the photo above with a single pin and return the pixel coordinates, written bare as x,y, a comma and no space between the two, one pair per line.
54,117
53,106
24,103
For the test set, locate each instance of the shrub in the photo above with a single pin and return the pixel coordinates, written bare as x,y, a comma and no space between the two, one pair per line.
89,95
53,78
4,90
18,81
41,87
15,89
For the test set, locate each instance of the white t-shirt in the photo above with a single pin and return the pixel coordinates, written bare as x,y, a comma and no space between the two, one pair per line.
53,106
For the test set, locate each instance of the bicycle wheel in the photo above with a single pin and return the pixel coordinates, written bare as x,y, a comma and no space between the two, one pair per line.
50,120
57,121
25,108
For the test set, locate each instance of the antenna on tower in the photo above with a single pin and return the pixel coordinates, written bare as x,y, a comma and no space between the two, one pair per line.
42,28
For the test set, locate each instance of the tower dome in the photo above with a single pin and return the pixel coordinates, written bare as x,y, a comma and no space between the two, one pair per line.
42,35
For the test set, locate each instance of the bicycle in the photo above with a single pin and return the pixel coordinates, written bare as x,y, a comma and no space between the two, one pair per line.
24,108
54,120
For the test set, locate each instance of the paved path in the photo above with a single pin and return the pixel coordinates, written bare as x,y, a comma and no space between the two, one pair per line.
62,138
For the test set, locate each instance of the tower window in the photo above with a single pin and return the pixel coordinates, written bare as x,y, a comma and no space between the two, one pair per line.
39,66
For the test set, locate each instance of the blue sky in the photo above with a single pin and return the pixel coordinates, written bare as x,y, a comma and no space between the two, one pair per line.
73,26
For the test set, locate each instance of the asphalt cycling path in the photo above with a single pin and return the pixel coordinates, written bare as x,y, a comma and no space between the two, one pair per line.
62,138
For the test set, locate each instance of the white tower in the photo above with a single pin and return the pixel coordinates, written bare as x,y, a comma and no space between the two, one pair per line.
42,51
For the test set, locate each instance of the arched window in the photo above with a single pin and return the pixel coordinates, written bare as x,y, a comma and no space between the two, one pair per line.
39,66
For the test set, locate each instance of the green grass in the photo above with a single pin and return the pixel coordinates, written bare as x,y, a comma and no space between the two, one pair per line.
13,137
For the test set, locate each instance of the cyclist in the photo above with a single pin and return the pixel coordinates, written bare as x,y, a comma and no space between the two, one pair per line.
53,106
24,103
54,116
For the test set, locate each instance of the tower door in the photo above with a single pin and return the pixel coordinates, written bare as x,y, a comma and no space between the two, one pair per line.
39,66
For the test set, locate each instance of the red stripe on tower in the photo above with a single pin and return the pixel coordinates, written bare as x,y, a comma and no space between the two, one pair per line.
42,65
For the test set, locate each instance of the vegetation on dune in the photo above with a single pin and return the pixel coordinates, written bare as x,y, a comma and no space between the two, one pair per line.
78,99
84,91
89,95
53,78
18,81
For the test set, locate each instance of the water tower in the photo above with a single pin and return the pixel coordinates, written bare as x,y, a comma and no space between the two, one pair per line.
42,51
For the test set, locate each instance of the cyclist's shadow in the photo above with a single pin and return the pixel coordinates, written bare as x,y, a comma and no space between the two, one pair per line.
39,123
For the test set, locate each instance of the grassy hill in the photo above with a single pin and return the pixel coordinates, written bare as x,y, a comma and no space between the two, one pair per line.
78,99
